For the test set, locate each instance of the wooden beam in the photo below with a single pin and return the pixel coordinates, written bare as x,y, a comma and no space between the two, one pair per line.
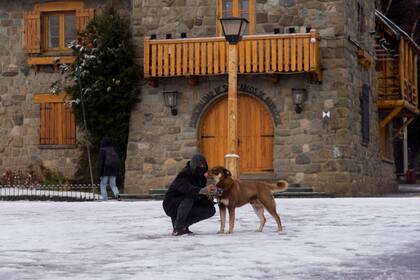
389,104
390,117
50,98
403,126
50,60
59,6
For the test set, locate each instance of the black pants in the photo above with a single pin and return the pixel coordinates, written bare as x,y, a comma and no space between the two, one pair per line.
191,211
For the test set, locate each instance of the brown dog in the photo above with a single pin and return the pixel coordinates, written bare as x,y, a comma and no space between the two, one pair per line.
238,193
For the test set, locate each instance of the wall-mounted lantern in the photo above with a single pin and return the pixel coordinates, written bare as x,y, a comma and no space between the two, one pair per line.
170,98
298,98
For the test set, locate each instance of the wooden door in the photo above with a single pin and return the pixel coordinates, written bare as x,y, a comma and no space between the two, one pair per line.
255,130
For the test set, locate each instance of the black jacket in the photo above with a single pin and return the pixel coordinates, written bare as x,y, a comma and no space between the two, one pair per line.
108,160
185,185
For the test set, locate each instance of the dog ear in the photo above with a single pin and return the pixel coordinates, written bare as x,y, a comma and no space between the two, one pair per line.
227,173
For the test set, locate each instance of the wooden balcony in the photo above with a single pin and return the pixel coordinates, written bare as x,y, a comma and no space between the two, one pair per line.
257,54
397,84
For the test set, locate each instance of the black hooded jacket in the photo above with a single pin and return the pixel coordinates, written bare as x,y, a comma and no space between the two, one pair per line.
108,160
186,184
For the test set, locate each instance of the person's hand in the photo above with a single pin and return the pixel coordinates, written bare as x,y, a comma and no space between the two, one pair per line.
209,190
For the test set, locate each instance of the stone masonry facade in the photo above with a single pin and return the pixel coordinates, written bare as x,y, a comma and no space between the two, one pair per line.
328,156
19,83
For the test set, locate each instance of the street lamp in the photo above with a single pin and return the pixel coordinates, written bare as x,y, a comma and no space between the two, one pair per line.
233,28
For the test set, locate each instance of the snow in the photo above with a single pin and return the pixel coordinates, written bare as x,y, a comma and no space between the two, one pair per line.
342,238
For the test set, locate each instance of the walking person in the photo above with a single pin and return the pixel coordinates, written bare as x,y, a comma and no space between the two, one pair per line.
188,199
108,168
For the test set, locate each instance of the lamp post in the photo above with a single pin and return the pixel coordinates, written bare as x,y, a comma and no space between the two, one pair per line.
233,29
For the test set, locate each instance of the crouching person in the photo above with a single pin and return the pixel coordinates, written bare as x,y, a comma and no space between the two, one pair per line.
188,199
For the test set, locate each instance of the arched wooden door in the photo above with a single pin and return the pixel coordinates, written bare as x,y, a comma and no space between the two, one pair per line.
255,130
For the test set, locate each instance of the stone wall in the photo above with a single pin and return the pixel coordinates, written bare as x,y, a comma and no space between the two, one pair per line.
19,116
328,156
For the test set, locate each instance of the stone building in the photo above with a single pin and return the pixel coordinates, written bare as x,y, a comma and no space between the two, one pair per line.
337,140
37,128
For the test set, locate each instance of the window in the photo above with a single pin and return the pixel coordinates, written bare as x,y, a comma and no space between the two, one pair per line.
360,20
58,30
49,26
365,113
57,123
238,8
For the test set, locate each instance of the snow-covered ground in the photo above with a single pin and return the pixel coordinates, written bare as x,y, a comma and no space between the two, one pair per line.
343,238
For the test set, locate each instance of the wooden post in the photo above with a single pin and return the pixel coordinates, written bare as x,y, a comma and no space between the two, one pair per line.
232,158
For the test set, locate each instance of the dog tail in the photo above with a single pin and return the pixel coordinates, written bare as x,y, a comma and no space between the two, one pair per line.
281,186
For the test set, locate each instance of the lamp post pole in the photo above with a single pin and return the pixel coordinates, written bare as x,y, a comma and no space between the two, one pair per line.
233,29
232,158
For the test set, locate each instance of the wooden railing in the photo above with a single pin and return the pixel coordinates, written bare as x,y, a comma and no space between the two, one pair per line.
282,53
397,84
408,73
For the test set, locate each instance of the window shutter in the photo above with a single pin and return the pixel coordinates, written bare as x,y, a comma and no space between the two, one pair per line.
365,113
83,16
32,31
57,124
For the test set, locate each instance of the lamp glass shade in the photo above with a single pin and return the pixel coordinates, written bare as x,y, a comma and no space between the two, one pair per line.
233,28
170,98
298,95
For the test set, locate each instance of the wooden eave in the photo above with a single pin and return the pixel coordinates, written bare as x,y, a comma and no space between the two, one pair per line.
393,29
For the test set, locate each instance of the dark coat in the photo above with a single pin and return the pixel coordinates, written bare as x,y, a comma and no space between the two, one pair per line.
185,185
108,165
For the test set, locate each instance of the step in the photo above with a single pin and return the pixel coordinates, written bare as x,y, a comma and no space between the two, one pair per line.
291,189
157,191
293,194
136,196
303,195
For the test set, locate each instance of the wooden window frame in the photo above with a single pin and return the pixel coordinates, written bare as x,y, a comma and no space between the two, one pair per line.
62,24
35,41
62,126
236,13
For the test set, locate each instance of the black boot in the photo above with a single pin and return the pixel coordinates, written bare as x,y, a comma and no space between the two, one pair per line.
179,232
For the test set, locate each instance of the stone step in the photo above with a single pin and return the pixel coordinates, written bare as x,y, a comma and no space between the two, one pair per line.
290,189
136,196
160,196
303,195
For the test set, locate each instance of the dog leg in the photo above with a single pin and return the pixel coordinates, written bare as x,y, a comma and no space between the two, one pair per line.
259,210
222,210
270,204
231,219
